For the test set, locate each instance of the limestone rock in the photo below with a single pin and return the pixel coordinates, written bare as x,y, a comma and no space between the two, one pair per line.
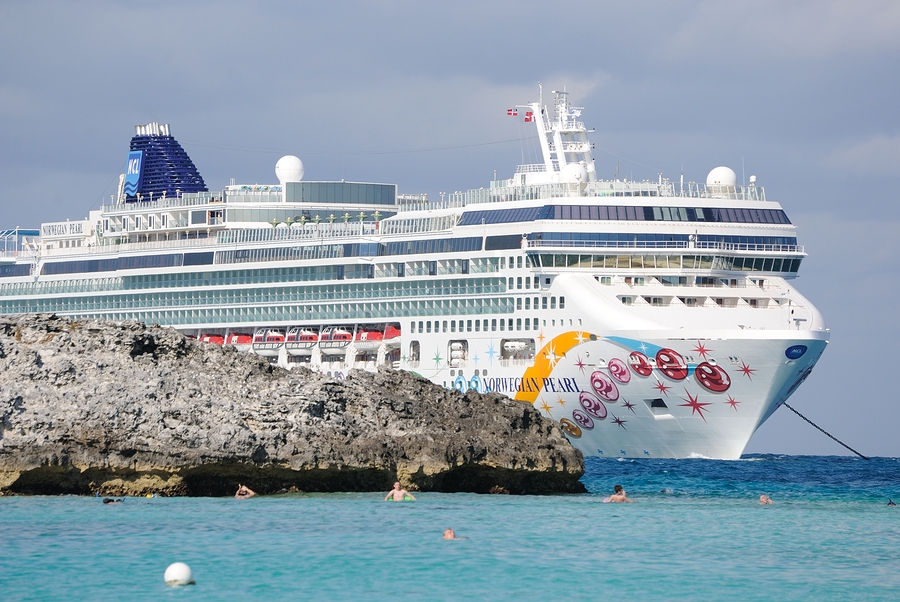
128,409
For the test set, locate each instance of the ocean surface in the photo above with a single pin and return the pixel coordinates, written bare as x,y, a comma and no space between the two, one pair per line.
696,533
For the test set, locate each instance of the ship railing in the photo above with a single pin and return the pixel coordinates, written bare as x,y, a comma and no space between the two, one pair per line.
603,244
310,232
451,203
532,168
187,200
671,244
503,191
298,232
110,245
723,246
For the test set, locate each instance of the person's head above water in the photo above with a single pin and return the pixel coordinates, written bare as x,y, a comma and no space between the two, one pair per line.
618,488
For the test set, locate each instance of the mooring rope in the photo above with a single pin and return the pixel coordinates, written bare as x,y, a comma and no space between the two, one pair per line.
824,431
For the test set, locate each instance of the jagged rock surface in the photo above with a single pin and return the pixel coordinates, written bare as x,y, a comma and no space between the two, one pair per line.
98,407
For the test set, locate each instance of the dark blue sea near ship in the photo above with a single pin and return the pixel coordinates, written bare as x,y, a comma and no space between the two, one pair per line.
697,531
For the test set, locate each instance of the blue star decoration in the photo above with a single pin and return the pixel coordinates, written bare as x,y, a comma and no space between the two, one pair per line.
491,352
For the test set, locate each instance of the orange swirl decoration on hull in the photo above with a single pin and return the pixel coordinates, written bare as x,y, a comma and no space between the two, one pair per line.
547,358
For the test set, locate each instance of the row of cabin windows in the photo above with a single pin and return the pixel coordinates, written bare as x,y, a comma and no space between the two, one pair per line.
527,283
545,303
693,301
514,263
492,325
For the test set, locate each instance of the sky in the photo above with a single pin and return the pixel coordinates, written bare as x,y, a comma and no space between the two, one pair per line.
802,94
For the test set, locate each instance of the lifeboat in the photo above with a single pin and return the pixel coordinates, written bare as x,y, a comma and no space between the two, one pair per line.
300,341
268,341
241,340
334,338
392,336
367,339
215,339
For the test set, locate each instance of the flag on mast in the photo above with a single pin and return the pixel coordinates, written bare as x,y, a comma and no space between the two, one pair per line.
512,112
529,117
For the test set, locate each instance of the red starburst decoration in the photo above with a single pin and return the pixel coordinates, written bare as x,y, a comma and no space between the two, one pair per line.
747,370
662,388
580,365
702,350
733,402
697,407
619,421
629,405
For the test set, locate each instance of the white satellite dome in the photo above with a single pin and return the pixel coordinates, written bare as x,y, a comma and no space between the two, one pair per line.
289,169
722,178
575,173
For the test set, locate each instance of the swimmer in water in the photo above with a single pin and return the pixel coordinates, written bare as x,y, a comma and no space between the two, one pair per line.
398,494
891,503
109,500
450,534
244,493
619,496
764,499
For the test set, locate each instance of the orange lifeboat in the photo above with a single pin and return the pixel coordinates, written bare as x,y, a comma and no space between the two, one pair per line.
300,341
268,341
392,336
239,340
367,339
334,338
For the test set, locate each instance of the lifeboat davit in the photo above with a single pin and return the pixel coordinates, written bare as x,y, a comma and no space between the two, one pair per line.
268,341
300,341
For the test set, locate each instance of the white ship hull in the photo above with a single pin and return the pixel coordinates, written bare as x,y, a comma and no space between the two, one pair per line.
609,407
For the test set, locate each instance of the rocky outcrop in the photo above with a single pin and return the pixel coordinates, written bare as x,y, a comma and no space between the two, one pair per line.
99,407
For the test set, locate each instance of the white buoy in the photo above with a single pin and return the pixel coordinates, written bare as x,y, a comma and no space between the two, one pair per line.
179,573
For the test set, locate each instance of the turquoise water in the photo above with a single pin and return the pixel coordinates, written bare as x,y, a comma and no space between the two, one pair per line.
696,533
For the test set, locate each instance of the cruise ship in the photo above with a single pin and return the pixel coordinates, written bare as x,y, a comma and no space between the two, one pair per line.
650,318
